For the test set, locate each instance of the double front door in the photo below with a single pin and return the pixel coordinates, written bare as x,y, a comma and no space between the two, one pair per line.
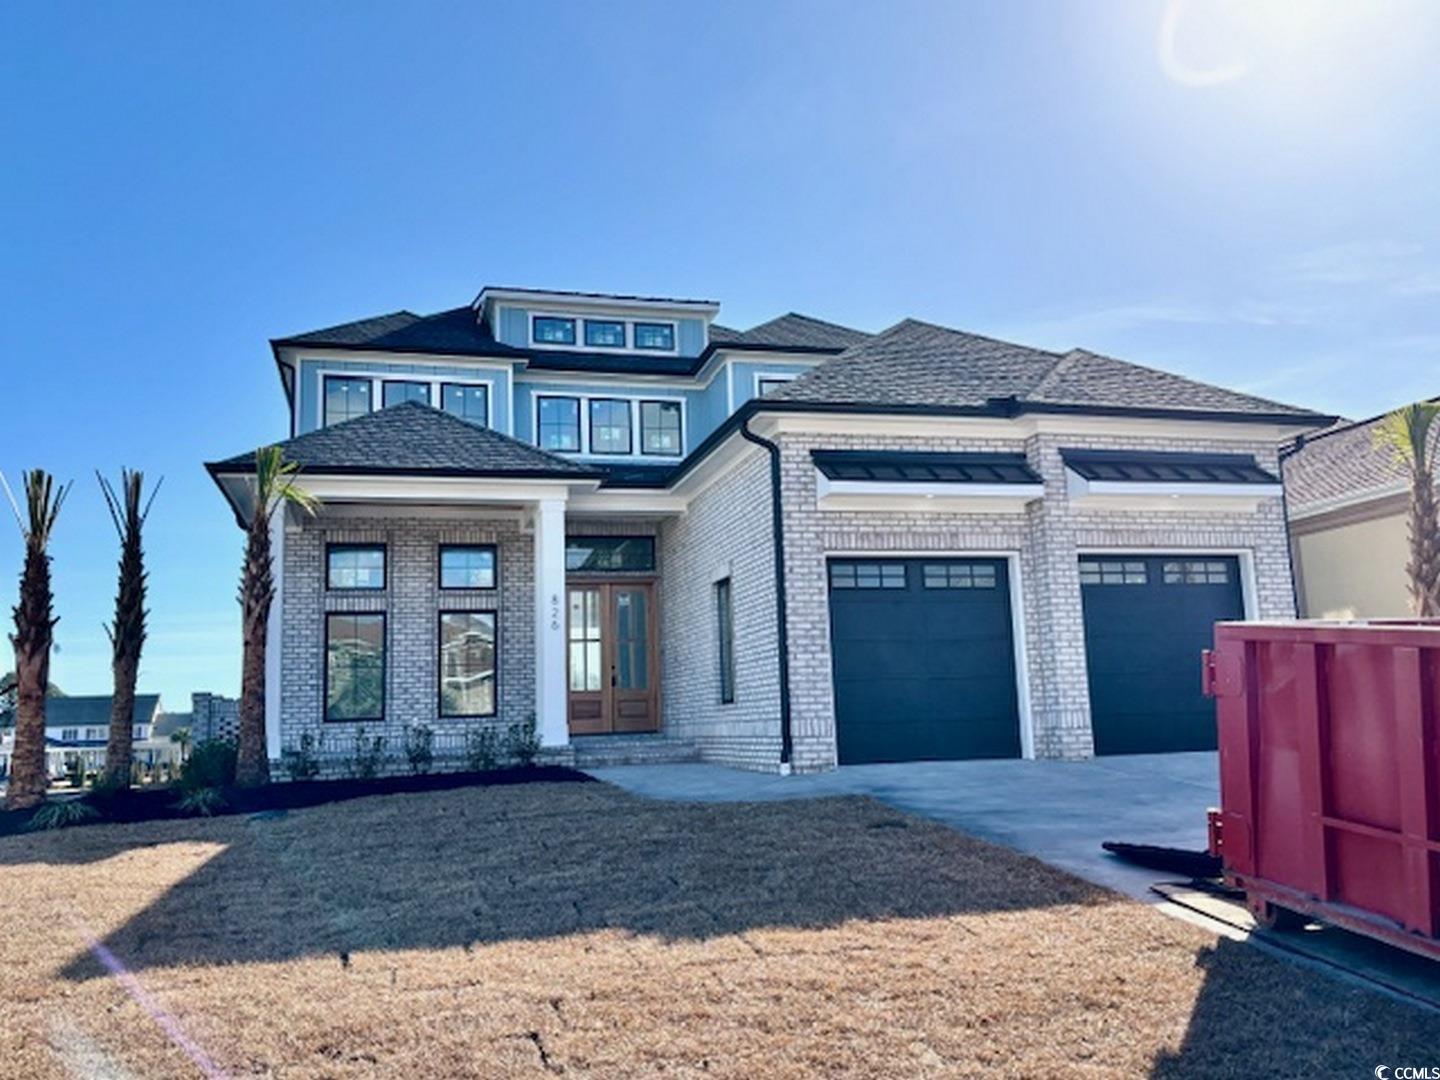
610,640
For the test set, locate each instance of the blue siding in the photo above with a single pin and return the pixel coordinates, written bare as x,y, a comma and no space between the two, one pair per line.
514,328
309,385
692,337
745,372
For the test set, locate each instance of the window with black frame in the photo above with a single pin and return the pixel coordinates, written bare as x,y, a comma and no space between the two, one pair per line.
399,391
609,426
552,330
467,663
354,666
605,333
655,335
467,566
355,567
609,554
345,398
660,428
558,420
725,636
467,402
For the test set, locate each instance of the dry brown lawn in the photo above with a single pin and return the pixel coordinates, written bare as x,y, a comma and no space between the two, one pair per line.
576,929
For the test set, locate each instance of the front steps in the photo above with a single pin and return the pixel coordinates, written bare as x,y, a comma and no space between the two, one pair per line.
598,751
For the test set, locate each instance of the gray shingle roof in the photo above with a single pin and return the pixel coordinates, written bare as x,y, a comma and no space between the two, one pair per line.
918,364
799,331
93,710
413,439
456,331
1342,462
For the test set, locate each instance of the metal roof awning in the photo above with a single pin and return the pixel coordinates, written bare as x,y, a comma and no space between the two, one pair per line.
924,480
1140,479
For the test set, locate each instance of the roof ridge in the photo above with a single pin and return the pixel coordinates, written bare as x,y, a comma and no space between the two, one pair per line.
972,334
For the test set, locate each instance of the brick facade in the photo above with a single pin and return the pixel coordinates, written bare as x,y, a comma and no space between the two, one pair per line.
411,601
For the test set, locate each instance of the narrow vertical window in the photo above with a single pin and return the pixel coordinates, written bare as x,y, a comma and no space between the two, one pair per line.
609,426
354,666
467,663
725,633
660,427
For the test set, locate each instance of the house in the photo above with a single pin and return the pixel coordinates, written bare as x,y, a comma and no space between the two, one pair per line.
77,729
785,547
1347,497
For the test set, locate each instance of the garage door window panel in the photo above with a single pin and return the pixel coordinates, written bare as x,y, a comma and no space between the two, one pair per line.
1113,572
1196,572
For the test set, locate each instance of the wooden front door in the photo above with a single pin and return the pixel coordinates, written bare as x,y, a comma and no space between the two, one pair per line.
610,640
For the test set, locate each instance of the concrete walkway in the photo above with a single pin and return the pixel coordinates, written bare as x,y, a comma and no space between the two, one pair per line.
1058,811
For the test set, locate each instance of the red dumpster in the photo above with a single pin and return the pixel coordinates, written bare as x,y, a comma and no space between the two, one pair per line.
1329,739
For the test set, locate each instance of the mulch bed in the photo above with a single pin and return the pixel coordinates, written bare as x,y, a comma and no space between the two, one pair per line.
159,803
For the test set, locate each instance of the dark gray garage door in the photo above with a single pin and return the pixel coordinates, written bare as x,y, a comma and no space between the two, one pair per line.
924,667
1147,618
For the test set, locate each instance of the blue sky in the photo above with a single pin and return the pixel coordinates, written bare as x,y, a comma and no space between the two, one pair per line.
1245,193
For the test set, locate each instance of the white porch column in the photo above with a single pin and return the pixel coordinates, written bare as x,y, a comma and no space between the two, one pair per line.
550,684
275,635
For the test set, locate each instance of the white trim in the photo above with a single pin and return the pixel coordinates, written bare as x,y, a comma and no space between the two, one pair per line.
378,380
274,635
1017,626
526,298
1249,583
628,501
551,689
1022,427
729,391
413,490
770,376
883,495
635,456
320,354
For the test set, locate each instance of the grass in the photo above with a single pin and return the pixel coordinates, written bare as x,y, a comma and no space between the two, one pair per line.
572,928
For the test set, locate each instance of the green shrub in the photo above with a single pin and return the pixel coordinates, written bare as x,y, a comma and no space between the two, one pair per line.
201,801
369,755
61,814
419,748
211,765
524,743
482,749
301,762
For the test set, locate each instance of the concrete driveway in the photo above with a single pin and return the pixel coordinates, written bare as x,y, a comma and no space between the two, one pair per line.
1058,811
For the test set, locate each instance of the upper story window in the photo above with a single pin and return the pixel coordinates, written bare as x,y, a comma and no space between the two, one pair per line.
355,566
397,391
552,330
660,431
609,426
467,402
139,733
605,333
345,398
69,734
655,335
559,423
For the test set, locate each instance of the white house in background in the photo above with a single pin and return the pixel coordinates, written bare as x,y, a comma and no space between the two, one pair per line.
78,728
781,548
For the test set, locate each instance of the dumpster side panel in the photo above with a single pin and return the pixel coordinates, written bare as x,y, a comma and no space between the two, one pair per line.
1281,817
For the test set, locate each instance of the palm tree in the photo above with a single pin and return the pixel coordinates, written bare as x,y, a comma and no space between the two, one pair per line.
127,634
34,633
181,738
274,488
1409,433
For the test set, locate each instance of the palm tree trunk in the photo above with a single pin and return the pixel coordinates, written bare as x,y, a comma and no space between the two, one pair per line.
34,627
120,746
257,590
1424,568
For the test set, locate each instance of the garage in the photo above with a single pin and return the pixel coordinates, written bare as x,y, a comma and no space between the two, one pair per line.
924,662
1147,619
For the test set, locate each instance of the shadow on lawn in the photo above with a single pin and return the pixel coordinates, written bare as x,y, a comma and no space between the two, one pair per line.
483,865
1245,1022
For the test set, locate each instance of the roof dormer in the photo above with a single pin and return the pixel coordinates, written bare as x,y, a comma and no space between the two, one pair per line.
596,322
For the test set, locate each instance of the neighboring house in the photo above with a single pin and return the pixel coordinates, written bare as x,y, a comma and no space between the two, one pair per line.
79,727
787,547
213,716
1347,497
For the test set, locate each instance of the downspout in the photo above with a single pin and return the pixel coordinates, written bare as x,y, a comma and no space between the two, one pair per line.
1280,459
782,633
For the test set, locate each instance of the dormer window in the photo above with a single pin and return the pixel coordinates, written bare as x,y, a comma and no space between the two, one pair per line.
655,335
552,330
605,333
